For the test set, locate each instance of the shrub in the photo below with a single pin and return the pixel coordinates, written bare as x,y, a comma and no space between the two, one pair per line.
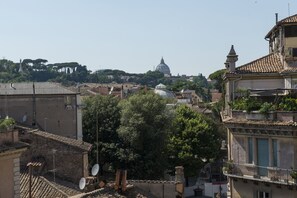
288,104
6,123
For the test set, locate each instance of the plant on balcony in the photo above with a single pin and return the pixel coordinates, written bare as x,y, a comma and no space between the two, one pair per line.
293,174
274,178
288,104
266,108
228,167
246,103
6,124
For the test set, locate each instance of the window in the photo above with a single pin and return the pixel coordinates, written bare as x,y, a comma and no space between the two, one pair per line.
291,31
262,194
274,153
294,52
251,150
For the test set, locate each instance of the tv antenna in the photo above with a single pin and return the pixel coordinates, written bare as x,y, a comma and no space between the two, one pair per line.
289,9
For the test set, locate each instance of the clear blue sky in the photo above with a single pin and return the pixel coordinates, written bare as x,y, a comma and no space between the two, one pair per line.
193,36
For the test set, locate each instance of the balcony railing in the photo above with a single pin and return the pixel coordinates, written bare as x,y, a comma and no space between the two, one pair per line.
261,173
282,116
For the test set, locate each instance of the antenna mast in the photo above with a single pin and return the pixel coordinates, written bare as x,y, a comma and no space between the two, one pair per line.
289,9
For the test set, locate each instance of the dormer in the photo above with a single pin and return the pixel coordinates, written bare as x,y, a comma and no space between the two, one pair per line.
283,38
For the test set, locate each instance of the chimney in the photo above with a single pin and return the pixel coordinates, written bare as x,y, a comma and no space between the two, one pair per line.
231,60
276,18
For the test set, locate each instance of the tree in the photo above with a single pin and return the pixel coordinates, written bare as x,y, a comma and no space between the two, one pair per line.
102,114
145,123
195,138
218,77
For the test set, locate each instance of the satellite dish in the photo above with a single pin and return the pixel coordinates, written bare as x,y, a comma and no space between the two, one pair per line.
82,183
95,169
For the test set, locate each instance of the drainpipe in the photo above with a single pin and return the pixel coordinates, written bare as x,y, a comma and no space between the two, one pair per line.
34,106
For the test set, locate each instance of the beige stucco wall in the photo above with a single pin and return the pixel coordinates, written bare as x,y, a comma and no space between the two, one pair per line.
260,84
248,190
10,174
6,177
290,42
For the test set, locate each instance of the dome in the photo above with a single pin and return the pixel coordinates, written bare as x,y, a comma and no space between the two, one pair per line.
160,86
162,67
161,91
164,93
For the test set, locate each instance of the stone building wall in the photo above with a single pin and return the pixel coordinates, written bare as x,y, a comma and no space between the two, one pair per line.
54,113
67,156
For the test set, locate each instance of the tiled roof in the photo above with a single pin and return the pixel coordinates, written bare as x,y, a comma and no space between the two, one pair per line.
41,187
69,141
11,147
26,88
64,140
290,70
290,19
267,64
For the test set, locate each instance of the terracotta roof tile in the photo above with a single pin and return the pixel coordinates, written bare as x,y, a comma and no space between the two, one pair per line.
41,187
268,64
69,141
65,140
290,19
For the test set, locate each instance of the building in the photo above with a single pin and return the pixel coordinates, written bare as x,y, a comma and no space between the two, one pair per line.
262,146
10,151
161,90
162,67
45,105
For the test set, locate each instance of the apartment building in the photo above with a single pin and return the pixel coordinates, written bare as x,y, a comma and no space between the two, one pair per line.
261,118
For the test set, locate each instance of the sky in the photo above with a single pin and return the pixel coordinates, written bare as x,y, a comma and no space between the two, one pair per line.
193,36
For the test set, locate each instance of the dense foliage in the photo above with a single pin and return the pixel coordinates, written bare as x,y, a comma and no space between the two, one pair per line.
102,114
145,123
194,138
6,123
146,137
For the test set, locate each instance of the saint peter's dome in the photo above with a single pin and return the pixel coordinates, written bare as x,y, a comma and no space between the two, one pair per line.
162,67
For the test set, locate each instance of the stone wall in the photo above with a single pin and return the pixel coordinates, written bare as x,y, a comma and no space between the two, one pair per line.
159,189
69,161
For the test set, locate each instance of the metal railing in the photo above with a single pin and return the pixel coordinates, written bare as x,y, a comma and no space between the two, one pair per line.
251,171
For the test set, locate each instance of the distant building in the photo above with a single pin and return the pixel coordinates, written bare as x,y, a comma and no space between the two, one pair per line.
162,67
161,90
45,105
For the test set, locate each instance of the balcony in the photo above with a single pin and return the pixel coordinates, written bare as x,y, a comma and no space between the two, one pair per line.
252,172
276,116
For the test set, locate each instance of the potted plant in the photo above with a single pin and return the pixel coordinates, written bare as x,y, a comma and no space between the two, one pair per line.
228,167
294,175
267,108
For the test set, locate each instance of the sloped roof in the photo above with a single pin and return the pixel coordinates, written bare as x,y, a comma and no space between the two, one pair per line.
41,187
26,88
290,19
267,64
64,140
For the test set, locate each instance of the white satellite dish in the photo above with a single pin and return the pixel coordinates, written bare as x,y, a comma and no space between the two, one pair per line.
95,169
82,183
